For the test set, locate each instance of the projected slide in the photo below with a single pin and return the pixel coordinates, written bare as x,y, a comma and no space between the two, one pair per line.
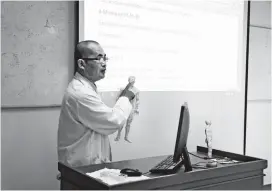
168,45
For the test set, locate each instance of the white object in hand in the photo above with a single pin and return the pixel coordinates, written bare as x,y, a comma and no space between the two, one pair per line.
135,108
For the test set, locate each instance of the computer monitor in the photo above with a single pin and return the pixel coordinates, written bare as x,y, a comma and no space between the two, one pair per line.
181,152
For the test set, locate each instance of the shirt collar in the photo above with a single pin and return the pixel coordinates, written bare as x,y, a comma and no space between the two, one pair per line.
85,81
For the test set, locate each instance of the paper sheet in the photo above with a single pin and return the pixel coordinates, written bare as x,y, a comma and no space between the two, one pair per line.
113,176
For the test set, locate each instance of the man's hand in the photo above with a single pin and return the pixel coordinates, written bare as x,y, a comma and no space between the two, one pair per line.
129,94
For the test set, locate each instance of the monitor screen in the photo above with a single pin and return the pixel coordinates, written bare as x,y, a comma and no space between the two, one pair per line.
182,134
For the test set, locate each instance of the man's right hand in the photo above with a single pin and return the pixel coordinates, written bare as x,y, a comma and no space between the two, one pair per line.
129,94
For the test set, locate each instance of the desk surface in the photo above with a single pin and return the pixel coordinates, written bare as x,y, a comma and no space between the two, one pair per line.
249,168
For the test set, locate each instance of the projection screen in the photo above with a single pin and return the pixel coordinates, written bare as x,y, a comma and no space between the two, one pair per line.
168,45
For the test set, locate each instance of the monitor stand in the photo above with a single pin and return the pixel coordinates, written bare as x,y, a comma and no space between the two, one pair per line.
186,160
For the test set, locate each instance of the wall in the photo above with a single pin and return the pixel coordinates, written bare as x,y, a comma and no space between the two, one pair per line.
28,149
29,136
258,141
28,141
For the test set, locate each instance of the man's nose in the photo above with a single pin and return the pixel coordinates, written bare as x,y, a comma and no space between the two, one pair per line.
103,63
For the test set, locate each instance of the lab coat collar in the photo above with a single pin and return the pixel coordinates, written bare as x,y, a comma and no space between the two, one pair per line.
85,81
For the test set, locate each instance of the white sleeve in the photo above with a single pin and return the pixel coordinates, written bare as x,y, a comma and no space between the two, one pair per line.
96,115
119,93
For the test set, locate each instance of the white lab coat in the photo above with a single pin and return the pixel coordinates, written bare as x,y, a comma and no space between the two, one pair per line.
85,123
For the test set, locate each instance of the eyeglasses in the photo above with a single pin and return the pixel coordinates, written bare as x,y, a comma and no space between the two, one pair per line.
99,58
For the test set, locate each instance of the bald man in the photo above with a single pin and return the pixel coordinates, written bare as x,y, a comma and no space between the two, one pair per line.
85,121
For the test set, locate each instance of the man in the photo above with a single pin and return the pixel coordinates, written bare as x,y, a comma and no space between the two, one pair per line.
85,121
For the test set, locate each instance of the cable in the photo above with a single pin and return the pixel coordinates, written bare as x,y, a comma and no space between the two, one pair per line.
198,163
205,158
145,172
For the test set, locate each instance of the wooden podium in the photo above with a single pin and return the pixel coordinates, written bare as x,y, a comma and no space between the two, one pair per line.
245,175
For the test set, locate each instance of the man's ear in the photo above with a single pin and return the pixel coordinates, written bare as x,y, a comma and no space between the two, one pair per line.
81,64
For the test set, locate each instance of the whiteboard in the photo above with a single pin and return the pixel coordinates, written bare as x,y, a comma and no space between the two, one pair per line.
35,62
259,69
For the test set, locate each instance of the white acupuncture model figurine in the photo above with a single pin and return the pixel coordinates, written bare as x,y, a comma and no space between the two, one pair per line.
208,140
135,109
